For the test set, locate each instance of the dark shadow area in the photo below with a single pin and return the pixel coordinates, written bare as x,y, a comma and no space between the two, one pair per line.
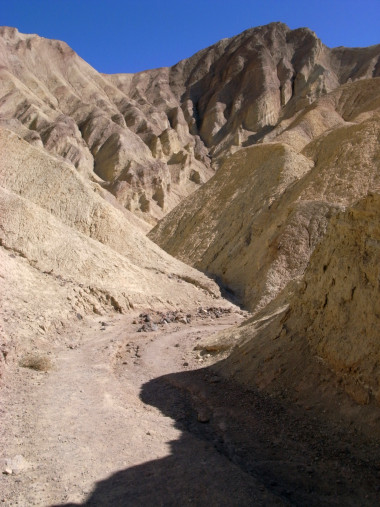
227,292
239,447
255,138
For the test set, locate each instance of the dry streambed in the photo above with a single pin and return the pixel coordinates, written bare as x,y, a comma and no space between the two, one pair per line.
131,414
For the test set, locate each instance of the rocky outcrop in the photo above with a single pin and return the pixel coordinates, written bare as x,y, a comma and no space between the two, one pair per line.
320,346
66,252
256,222
52,98
236,91
338,309
154,137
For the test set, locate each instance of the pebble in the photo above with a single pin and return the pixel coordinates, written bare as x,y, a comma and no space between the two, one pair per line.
14,465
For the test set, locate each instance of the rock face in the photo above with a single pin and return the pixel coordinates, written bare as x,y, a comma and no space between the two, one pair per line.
257,221
143,154
339,306
154,137
67,252
328,333
289,224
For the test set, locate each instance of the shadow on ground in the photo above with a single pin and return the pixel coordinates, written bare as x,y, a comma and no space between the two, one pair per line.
239,447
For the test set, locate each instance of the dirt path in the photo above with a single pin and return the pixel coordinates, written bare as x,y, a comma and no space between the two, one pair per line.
84,420
127,418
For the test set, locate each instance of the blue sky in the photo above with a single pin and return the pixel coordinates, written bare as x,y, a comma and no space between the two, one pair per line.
133,35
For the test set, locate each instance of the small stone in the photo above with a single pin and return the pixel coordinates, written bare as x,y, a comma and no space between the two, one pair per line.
185,363
15,465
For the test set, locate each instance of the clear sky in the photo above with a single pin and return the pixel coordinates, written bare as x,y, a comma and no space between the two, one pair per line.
133,35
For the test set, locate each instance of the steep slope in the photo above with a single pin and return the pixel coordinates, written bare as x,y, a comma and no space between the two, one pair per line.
154,137
256,222
325,341
237,90
67,252
52,98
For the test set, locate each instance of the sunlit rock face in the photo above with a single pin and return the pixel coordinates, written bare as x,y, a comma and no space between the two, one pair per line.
68,250
154,137
257,221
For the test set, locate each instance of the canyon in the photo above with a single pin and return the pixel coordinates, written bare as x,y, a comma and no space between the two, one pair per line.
190,264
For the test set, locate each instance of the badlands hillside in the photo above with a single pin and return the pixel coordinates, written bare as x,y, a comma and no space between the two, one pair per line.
246,175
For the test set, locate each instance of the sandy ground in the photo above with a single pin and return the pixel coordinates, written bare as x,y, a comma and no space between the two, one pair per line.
134,418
